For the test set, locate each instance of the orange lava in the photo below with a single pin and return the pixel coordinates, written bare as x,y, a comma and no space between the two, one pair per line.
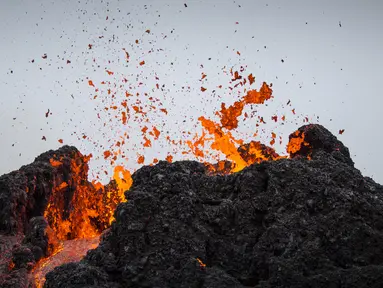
296,142
68,251
123,179
229,116
224,142
91,208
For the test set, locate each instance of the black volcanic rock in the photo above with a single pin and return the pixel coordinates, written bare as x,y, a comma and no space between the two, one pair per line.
286,223
317,140
25,193
82,276
40,238
23,258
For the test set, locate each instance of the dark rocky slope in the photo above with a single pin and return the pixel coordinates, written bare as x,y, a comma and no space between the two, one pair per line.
286,223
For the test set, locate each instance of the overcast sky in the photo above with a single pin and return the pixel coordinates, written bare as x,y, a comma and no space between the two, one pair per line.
323,56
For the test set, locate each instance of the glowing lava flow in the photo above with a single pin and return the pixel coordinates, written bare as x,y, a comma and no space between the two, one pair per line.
69,251
91,205
77,212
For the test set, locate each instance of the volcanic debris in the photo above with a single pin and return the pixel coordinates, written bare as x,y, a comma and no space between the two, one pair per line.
308,221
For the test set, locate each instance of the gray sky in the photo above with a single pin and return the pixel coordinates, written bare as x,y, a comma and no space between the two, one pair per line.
332,65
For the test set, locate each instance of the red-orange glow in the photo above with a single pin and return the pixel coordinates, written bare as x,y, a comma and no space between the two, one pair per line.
123,179
203,265
127,94
223,142
229,116
69,251
255,97
127,56
11,266
91,208
141,159
156,132
147,142
251,79
236,76
107,154
296,142
55,163
255,152
164,111
124,118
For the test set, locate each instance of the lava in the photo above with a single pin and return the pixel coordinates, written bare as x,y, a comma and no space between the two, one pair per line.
78,211
69,251
297,141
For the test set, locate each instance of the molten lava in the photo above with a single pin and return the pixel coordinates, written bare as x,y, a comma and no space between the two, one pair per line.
225,142
69,251
296,142
79,209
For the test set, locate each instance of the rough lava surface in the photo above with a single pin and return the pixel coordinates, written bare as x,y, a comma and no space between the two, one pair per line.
309,221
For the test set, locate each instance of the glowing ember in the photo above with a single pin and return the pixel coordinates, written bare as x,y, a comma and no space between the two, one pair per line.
69,251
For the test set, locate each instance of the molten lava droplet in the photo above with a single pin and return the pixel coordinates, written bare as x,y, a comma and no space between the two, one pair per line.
107,154
141,159
169,158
